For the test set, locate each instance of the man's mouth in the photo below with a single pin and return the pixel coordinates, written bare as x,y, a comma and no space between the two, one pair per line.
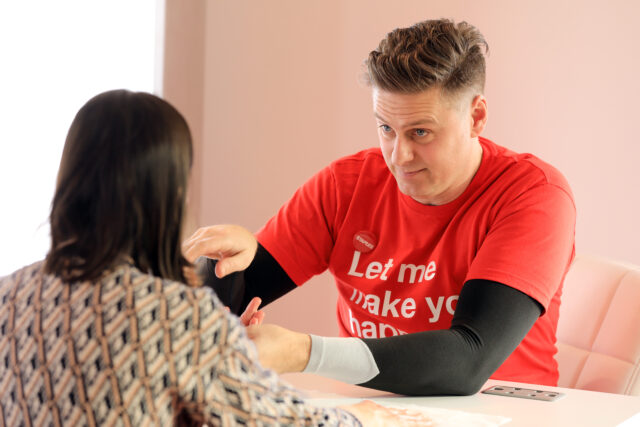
409,174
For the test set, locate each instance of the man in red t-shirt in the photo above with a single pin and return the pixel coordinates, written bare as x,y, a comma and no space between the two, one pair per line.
448,250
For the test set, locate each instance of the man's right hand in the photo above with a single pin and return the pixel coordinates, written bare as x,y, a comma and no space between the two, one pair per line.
232,245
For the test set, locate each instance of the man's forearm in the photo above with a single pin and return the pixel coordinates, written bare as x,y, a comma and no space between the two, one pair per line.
452,361
264,278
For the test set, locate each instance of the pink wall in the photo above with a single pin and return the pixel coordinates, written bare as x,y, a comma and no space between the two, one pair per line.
184,79
281,99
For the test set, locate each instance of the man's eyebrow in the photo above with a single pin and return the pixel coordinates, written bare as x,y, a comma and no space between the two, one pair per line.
424,121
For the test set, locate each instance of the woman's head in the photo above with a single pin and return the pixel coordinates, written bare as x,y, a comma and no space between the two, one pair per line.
121,188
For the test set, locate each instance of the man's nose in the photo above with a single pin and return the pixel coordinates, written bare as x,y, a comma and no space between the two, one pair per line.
402,151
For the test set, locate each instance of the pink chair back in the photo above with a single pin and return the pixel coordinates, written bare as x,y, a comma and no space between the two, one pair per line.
599,327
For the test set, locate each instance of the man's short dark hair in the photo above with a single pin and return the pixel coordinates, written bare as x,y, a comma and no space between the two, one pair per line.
432,53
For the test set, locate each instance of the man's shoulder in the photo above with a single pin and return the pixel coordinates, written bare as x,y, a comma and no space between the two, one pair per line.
551,174
524,167
369,160
365,171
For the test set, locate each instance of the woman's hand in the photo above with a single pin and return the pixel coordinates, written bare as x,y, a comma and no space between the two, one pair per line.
232,245
281,349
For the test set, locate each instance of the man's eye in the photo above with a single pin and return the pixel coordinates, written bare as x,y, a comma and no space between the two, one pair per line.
385,128
421,132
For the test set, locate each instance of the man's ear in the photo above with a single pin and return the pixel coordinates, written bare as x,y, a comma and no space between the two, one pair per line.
478,115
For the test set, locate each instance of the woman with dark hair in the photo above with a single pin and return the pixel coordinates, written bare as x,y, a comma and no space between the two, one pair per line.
105,330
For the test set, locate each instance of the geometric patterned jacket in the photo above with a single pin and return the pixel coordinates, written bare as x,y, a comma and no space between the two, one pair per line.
132,349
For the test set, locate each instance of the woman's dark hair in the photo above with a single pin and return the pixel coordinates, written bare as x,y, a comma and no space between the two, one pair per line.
121,188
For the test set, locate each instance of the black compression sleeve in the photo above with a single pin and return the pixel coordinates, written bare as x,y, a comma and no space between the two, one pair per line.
489,322
264,278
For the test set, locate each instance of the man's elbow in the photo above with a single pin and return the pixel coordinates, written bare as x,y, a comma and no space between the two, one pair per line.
469,387
457,383
470,378
465,381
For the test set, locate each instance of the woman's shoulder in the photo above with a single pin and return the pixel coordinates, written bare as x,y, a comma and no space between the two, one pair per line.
143,284
173,298
20,278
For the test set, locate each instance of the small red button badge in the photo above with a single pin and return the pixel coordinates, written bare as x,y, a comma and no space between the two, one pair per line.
364,241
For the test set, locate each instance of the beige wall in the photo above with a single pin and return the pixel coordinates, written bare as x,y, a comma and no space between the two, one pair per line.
281,98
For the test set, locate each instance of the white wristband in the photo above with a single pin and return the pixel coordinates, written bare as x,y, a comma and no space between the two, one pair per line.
344,359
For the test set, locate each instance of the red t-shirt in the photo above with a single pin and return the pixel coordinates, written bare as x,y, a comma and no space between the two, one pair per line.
399,265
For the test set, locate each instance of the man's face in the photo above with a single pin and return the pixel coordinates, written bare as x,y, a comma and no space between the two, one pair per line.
428,142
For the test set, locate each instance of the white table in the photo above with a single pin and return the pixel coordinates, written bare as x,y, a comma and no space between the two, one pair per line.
577,408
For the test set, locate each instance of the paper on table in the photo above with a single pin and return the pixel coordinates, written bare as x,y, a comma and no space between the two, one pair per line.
453,418
441,417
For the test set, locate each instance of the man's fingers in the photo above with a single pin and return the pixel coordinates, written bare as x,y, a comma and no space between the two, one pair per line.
223,267
257,318
211,247
250,311
252,332
233,246
254,304
252,316
230,264
190,242
207,241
